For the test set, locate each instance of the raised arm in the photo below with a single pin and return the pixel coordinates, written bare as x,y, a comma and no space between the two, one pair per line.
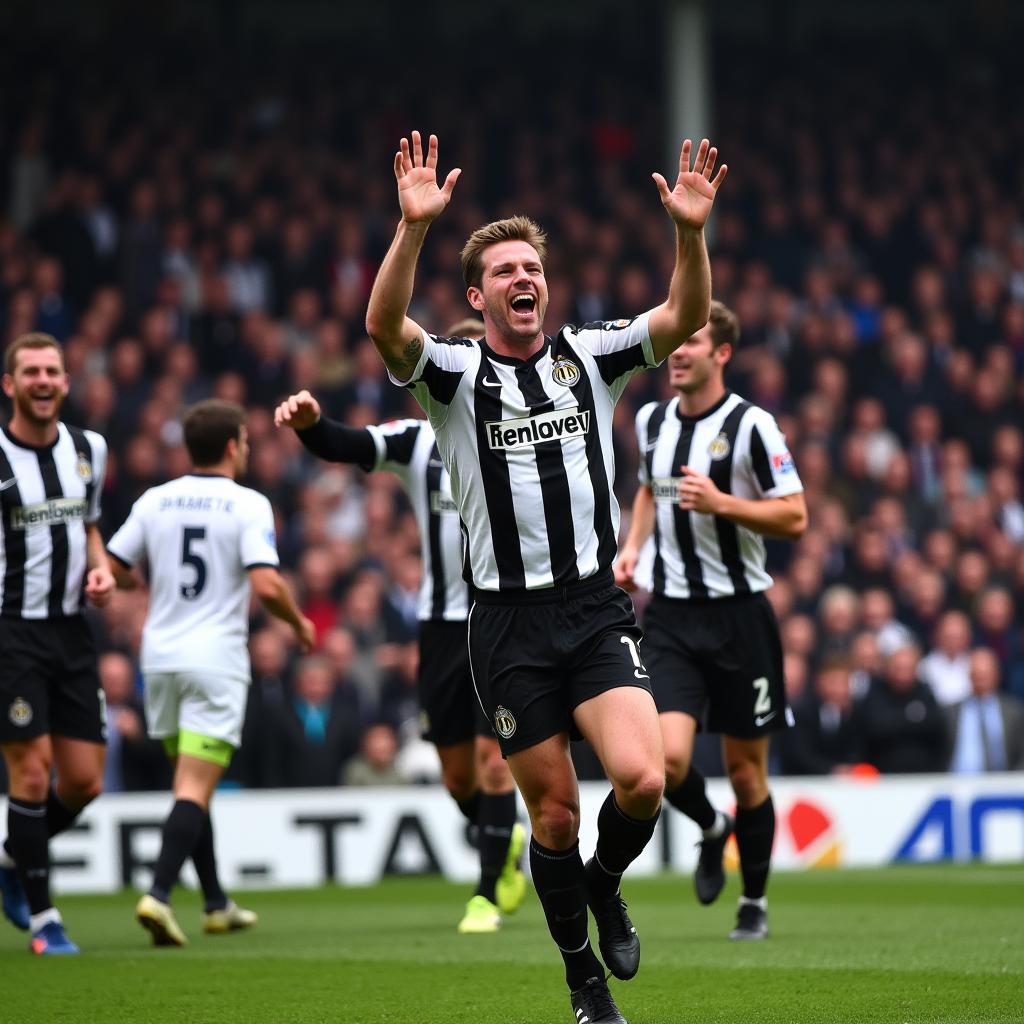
325,438
689,203
397,337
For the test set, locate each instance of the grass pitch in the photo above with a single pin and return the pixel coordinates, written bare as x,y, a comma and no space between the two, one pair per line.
899,945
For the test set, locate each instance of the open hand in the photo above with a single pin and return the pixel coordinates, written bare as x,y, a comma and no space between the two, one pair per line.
299,411
689,202
418,195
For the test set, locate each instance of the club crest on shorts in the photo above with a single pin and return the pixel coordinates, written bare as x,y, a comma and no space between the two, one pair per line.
565,371
504,722
20,712
719,448
84,468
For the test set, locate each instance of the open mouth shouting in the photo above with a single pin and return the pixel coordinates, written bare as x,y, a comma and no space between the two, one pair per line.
524,305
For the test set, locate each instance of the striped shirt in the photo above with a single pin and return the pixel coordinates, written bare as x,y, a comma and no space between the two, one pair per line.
528,445
47,496
741,448
408,449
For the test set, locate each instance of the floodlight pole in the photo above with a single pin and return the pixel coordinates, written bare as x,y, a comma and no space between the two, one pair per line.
688,73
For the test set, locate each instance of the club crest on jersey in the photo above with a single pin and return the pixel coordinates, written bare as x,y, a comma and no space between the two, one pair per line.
616,325
20,712
84,468
719,448
504,722
565,372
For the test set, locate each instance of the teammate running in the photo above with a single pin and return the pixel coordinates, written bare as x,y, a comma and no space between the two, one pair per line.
206,540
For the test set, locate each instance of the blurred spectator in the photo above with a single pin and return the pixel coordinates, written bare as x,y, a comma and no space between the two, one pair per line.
374,765
945,668
824,738
987,727
134,761
901,725
316,732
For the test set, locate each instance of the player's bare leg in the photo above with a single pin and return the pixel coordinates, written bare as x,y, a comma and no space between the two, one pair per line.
746,761
686,790
26,869
622,727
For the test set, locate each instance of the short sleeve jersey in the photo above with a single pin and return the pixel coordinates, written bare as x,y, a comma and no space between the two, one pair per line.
200,535
408,449
741,448
528,446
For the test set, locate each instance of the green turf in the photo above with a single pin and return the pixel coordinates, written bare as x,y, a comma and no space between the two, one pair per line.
935,944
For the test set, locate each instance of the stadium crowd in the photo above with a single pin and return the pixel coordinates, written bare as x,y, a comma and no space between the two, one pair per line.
223,242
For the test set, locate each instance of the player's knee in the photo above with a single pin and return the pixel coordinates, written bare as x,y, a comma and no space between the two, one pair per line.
639,792
747,782
80,792
29,775
556,823
459,781
677,767
494,774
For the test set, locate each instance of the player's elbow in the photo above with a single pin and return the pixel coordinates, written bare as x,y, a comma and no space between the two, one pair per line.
797,525
266,583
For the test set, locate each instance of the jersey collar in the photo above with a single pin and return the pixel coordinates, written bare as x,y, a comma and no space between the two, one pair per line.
32,447
512,360
705,414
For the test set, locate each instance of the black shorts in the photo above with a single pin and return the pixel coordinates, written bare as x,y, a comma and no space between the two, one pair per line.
49,683
534,661
719,661
449,710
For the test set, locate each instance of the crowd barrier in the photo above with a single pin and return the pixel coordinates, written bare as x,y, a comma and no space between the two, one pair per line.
299,838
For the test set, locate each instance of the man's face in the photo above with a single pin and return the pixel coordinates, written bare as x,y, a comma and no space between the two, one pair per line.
513,293
38,385
696,362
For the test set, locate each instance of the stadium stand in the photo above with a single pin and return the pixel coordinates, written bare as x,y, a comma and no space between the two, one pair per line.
222,241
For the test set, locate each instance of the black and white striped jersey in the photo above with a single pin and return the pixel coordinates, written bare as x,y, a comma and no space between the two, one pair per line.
742,449
408,449
529,449
47,495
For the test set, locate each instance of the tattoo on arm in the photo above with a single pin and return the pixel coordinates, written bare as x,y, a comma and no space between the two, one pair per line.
410,356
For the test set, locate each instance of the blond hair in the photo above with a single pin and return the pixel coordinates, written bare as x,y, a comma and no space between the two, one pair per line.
511,229
36,339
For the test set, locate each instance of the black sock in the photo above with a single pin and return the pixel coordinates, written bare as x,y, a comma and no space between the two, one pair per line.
620,840
470,807
755,833
497,816
28,844
59,818
182,829
691,797
204,858
560,881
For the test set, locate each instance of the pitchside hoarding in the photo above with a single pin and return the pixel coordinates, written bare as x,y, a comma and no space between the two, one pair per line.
357,836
